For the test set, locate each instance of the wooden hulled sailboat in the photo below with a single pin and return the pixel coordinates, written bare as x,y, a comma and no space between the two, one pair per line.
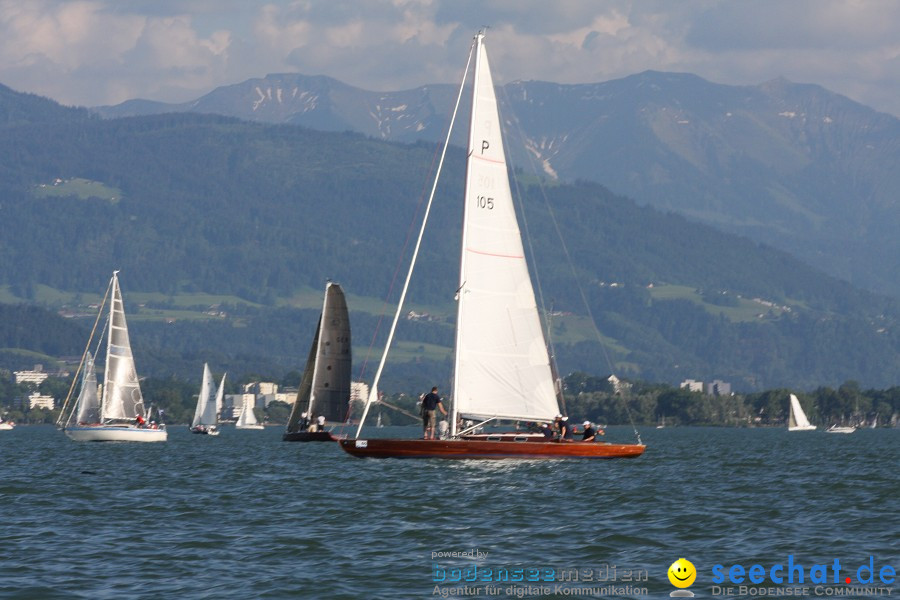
502,367
325,386
118,414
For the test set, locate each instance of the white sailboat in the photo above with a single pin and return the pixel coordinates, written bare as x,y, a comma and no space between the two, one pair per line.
118,414
206,415
246,419
797,420
325,387
501,363
841,429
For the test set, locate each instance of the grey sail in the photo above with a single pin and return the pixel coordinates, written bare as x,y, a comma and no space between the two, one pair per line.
88,403
331,376
325,387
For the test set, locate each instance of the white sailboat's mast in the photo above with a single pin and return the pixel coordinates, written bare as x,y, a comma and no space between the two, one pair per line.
312,387
461,292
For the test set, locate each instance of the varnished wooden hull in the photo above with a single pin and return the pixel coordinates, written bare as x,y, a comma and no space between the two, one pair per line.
308,436
487,449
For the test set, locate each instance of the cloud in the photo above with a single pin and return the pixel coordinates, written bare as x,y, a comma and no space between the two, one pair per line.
105,51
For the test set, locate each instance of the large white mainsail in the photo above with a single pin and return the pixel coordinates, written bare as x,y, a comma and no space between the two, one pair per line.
206,413
88,403
122,399
502,368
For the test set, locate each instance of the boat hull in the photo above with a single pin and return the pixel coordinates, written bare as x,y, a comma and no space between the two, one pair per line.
487,449
212,430
114,433
308,436
6,426
802,428
837,429
249,427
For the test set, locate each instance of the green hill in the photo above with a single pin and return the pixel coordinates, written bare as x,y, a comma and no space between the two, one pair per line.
225,232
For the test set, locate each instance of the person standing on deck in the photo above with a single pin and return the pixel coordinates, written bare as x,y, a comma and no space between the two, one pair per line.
430,403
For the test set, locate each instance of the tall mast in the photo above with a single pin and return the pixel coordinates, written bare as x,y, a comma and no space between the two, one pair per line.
461,291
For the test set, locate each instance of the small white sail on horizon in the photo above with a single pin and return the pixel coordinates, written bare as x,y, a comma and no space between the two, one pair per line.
797,420
206,415
246,419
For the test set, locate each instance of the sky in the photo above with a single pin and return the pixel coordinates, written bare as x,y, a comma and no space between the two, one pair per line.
97,52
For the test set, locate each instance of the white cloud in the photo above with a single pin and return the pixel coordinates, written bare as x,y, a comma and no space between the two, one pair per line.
105,51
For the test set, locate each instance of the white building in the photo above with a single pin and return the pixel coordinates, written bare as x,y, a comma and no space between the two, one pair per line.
718,388
36,400
261,387
36,376
692,385
268,399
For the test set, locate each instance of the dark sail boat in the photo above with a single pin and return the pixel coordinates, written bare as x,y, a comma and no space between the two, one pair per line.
502,369
325,386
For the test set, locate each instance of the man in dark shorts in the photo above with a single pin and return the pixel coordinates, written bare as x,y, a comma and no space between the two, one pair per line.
430,403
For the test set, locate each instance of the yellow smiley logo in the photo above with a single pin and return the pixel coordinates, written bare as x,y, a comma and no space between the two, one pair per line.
682,573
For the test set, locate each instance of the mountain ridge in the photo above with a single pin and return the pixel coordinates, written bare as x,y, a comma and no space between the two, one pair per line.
792,165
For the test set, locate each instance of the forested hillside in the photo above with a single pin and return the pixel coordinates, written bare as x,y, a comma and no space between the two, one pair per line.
252,215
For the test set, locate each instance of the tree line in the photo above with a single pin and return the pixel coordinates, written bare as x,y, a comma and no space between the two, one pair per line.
587,397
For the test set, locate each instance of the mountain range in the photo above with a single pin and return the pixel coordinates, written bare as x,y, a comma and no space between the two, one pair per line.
225,232
792,165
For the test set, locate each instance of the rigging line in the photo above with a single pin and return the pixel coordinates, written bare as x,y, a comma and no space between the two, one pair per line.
62,411
565,248
373,392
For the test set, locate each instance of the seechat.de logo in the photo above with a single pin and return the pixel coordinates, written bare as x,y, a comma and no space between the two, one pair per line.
682,574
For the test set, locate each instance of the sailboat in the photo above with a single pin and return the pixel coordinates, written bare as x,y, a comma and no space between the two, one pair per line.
116,415
209,404
246,419
797,420
841,429
325,387
502,368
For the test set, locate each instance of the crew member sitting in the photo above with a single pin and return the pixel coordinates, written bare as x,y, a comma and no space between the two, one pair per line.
589,434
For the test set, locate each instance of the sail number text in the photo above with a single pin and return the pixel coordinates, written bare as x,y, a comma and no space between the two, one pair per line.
484,202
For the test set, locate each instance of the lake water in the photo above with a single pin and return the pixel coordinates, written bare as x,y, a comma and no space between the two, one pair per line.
246,515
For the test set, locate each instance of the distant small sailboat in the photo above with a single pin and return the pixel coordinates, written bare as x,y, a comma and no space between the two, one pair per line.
116,415
246,419
325,387
874,423
797,420
662,423
206,415
840,429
